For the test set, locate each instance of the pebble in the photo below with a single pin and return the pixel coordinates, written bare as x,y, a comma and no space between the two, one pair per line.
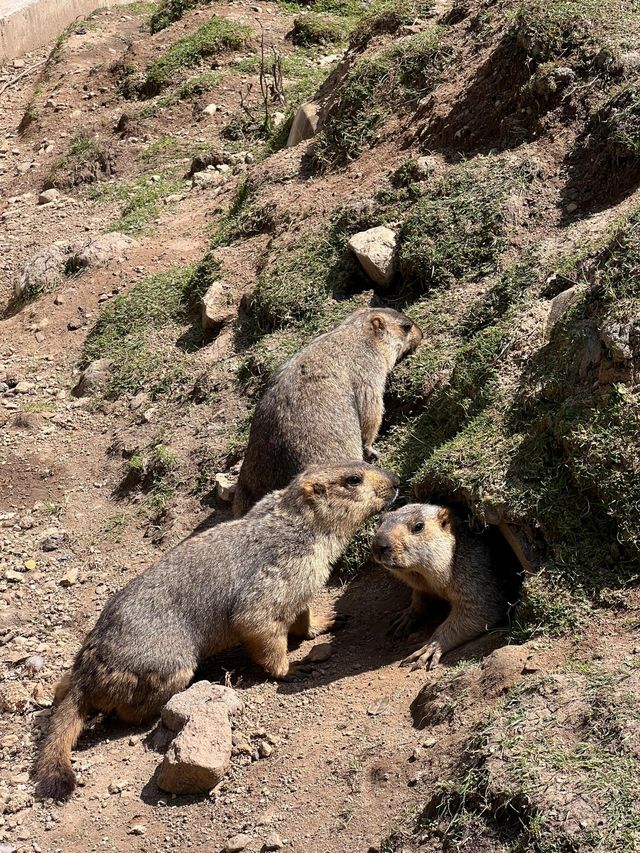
264,749
320,653
70,577
13,577
34,663
48,196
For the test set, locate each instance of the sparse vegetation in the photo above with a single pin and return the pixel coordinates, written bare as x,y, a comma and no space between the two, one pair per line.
396,76
85,162
143,199
147,332
210,39
313,28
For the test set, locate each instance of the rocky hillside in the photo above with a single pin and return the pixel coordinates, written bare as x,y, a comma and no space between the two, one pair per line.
165,249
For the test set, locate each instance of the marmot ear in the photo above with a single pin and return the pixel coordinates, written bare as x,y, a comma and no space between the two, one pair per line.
378,325
444,518
312,488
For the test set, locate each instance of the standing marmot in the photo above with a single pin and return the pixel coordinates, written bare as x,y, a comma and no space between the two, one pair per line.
326,403
429,548
249,581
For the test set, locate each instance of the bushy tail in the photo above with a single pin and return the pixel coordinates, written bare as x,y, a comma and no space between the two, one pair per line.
53,772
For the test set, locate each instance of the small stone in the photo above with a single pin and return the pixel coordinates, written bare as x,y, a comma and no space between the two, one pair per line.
217,309
34,663
24,387
211,109
376,251
70,577
264,749
199,757
273,842
13,577
378,707
39,336
53,542
571,207
201,695
320,653
425,167
138,401
93,378
118,786
225,487
137,829
237,843
48,196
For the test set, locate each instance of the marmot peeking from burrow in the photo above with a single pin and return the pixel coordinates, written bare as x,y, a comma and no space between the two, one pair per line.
249,581
326,403
430,549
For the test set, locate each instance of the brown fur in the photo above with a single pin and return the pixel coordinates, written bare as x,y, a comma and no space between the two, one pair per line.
249,581
326,403
429,548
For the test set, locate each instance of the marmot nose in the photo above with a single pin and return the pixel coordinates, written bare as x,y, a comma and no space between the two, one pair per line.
395,480
381,545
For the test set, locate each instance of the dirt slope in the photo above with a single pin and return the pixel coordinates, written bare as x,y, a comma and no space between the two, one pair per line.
527,116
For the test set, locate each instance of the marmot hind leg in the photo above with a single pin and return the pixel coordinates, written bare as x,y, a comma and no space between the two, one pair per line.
308,626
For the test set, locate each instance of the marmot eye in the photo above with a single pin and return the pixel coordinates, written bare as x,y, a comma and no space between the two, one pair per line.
418,527
406,328
354,479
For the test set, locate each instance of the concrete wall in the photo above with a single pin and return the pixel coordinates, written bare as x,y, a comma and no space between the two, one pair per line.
28,24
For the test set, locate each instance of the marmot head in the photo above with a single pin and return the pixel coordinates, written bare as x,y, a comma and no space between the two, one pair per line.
397,334
343,496
416,538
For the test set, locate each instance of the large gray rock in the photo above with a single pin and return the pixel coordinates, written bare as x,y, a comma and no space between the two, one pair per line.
44,271
305,124
101,249
199,757
196,699
93,378
376,251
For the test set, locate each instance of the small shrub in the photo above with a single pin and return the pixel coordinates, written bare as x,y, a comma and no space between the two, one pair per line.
388,16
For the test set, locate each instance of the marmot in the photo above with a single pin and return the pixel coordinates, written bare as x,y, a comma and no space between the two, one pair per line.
326,403
429,548
248,581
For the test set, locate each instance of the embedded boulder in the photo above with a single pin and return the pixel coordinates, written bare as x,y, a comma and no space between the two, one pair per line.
100,250
305,124
93,378
376,250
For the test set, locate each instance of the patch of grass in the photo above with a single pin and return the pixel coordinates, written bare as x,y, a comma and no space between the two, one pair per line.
39,406
210,39
193,87
456,230
169,11
115,527
394,77
312,28
85,162
387,16
143,200
295,288
148,332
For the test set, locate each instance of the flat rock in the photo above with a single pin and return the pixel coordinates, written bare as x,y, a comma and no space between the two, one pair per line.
199,757
305,124
101,249
47,196
93,378
376,251
237,843
197,698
